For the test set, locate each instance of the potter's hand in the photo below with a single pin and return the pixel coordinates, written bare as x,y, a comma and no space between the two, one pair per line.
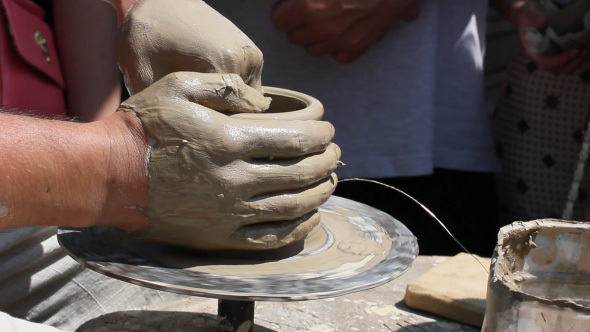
218,182
525,14
159,37
345,29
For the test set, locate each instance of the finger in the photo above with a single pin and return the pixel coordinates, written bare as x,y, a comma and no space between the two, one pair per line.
288,175
251,72
346,56
360,37
324,29
527,14
321,48
220,92
305,35
554,62
269,139
577,62
370,29
288,15
411,13
274,235
290,205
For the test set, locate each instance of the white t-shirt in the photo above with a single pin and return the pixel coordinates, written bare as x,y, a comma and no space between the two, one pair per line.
413,102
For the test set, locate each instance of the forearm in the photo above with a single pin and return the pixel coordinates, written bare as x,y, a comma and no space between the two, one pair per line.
72,174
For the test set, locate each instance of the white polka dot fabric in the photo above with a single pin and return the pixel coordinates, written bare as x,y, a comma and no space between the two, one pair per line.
539,122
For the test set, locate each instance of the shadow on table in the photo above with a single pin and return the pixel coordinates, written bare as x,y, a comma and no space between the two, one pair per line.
155,321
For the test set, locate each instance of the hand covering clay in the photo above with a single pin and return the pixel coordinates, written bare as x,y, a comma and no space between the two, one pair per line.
221,182
159,37
218,182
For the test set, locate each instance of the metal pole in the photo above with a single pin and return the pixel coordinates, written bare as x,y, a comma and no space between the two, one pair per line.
235,316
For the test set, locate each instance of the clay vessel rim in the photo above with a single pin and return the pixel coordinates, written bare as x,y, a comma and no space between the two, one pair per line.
308,107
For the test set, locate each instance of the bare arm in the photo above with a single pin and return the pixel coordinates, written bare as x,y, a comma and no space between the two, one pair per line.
213,185
86,32
60,173
72,174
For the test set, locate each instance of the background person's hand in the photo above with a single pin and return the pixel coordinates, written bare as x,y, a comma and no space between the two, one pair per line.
219,182
159,37
345,29
525,14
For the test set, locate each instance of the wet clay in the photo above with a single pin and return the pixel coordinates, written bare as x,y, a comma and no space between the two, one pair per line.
337,248
159,37
219,182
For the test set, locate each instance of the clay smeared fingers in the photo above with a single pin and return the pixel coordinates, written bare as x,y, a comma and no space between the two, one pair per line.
288,205
159,37
219,92
289,174
272,139
272,235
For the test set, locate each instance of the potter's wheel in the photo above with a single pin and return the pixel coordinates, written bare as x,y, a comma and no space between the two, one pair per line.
357,247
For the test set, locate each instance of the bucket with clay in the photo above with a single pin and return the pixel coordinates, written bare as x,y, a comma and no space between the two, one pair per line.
540,278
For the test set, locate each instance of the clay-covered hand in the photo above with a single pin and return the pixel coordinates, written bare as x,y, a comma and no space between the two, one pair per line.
219,182
345,29
525,14
159,37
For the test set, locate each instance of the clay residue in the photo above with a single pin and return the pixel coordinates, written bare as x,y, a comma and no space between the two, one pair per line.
3,211
350,252
539,279
546,260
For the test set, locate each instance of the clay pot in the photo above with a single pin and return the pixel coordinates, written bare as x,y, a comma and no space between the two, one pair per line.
287,105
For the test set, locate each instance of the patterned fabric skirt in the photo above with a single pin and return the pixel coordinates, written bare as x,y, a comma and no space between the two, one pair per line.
539,124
